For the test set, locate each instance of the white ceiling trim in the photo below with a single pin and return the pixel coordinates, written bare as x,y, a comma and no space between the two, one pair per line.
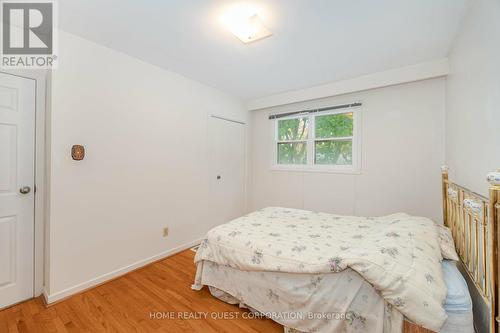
422,71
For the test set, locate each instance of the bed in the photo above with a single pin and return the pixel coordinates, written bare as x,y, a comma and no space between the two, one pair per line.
317,272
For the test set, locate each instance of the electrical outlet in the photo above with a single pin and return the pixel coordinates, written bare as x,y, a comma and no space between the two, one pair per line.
165,232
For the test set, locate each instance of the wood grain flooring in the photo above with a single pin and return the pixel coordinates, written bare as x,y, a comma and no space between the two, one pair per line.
126,304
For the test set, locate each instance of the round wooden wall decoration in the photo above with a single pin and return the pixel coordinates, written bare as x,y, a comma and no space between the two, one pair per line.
77,152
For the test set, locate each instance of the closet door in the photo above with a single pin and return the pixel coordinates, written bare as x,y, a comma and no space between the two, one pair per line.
227,169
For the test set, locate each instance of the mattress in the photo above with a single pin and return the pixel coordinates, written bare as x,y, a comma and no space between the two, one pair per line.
458,304
458,299
281,294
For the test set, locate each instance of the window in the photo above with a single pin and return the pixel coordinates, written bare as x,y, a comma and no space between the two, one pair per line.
318,141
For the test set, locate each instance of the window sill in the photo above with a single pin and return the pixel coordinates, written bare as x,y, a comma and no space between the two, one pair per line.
318,169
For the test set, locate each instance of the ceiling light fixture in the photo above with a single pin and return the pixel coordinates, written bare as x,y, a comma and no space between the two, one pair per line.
243,22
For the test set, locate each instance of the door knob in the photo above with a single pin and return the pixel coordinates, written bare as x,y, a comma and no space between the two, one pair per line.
25,190
218,177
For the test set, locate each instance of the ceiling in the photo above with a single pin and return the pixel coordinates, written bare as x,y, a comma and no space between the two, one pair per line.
314,41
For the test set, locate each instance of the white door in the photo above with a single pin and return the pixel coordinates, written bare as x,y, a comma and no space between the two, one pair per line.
17,149
227,169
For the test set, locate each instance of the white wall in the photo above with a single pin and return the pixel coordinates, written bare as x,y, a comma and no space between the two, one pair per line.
145,134
402,151
473,98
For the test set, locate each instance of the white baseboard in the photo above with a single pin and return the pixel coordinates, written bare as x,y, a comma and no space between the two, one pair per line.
45,296
51,298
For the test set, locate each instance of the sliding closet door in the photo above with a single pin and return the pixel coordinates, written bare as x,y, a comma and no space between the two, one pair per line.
227,169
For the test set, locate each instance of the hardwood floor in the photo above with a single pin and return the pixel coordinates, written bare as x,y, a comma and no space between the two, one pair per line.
126,304
412,328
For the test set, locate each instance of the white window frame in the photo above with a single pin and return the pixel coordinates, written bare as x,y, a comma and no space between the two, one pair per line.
355,168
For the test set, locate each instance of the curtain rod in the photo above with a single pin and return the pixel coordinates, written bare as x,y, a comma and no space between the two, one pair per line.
343,106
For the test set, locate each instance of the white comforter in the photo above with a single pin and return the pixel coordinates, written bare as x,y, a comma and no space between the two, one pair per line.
398,254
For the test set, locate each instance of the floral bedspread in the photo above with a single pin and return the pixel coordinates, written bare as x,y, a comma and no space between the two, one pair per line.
399,254
320,303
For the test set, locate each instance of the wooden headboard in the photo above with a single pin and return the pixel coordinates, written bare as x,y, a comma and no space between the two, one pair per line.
473,220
